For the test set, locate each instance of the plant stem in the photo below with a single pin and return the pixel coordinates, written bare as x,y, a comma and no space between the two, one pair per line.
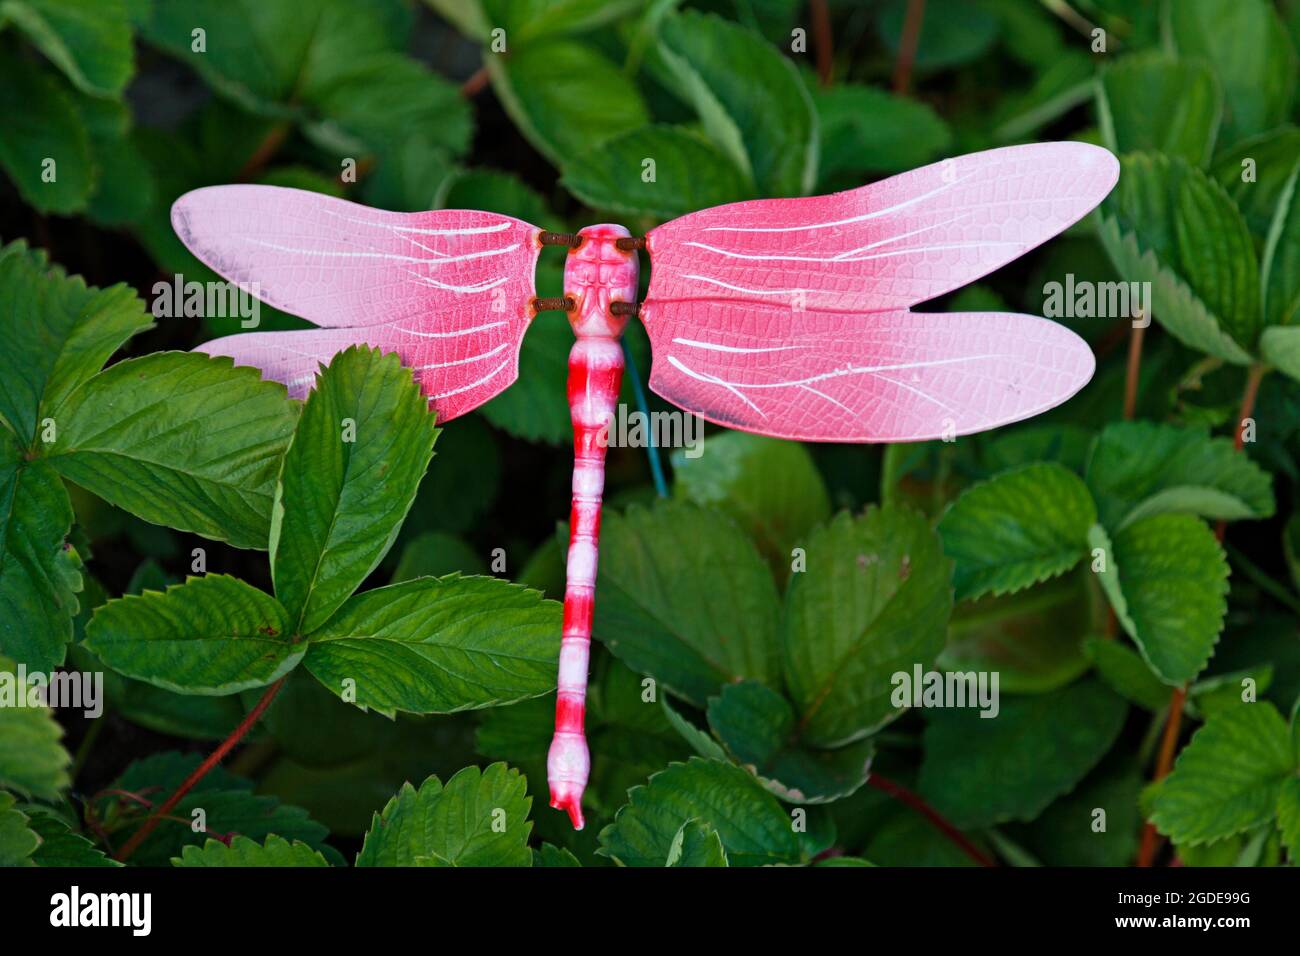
1134,371
87,745
265,151
131,845
822,44
651,449
1248,396
903,795
1168,745
907,45
475,84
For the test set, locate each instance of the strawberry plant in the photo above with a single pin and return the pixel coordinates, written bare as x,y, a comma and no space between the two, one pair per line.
240,628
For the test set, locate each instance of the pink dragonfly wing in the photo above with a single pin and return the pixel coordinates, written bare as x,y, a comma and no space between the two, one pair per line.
448,290
789,317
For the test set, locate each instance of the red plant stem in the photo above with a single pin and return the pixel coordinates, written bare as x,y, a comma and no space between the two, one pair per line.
227,745
1169,743
1248,396
475,84
822,44
1132,375
265,152
900,793
907,46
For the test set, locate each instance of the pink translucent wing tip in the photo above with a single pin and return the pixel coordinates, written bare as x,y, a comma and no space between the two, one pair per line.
875,377
886,246
790,317
448,290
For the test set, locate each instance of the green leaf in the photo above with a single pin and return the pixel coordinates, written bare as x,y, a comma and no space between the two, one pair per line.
32,759
700,740
164,711
58,332
1247,47
89,40
350,473
748,96
771,487
409,177
1288,815
211,635
1016,529
45,148
550,855
1063,85
1070,833
1218,692
1169,224
753,827
39,572
696,843
565,96
1031,638
1174,580
228,804
982,772
874,600
269,56
60,846
1269,158
682,595
1140,469
437,645
1279,346
125,186
1280,275
179,439
480,818
757,725
372,104
955,31
905,838
433,554
17,841
1228,778
1104,566
526,20
865,130
689,173
1153,102
243,852
1124,672
494,191
533,408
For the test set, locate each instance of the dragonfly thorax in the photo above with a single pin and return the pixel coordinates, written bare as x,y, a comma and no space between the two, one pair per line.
597,273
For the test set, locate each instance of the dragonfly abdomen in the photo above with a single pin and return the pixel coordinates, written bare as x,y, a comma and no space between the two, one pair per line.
596,274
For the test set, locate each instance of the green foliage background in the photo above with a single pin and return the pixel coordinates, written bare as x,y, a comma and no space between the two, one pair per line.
747,627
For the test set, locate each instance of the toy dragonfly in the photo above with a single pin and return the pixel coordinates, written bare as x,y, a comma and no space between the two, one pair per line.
784,317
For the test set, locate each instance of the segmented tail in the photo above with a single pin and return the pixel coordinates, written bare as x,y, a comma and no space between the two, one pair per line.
595,372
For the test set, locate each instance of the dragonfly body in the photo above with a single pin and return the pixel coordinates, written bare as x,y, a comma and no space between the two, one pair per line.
596,274
785,317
